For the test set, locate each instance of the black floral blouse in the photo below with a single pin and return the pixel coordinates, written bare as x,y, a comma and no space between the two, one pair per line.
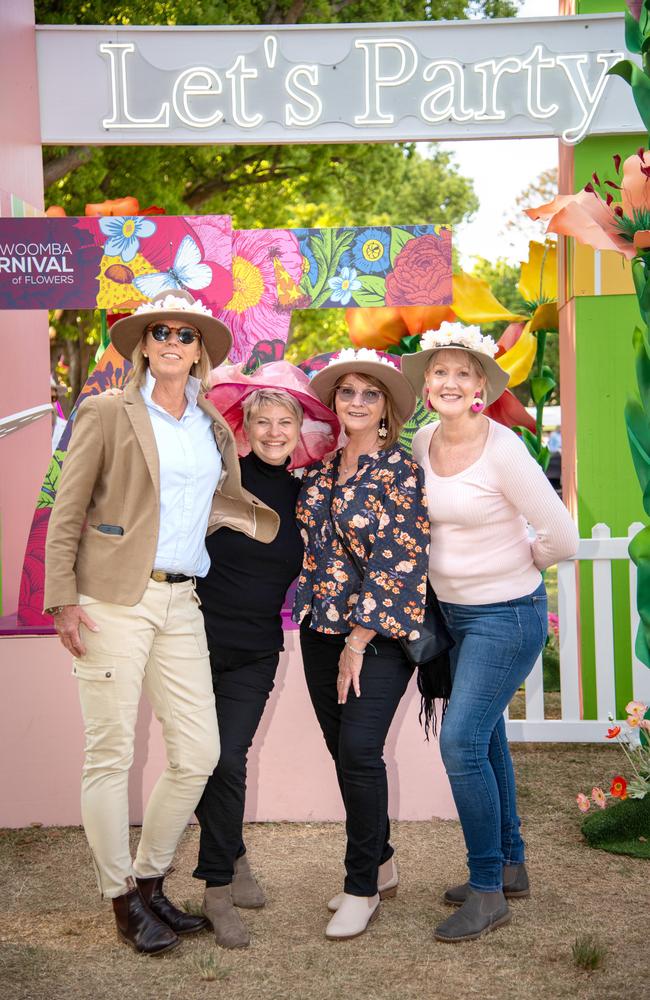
382,513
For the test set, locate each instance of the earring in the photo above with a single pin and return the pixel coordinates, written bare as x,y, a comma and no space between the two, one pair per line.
383,429
144,355
478,403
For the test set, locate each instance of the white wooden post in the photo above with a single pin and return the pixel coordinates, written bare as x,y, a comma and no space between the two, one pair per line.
604,626
569,656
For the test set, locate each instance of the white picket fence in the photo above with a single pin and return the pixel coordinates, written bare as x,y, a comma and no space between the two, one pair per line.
600,549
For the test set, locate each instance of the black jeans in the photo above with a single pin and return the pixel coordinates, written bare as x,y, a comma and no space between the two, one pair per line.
242,684
355,734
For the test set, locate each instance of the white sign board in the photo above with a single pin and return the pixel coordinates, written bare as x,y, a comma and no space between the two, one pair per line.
536,77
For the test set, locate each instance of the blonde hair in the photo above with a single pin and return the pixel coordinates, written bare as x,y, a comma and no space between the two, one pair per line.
393,424
138,373
270,397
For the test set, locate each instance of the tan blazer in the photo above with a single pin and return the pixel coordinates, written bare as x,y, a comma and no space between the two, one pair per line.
111,476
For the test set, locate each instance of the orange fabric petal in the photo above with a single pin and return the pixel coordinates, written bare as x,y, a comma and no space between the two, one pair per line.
421,318
642,239
635,193
114,206
55,212
587,218
378,328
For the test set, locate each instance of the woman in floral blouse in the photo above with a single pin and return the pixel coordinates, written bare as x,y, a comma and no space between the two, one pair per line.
367,499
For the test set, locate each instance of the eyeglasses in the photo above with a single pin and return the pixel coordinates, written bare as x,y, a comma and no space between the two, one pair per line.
161,332
348,394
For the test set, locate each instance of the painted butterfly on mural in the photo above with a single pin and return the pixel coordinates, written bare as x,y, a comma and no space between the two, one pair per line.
187,271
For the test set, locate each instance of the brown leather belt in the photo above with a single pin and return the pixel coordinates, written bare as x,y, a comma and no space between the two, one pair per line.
160,576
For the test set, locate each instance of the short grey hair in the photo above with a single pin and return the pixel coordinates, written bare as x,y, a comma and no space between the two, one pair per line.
270,397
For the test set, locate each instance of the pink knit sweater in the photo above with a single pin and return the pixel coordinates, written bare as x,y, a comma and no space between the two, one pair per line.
481,551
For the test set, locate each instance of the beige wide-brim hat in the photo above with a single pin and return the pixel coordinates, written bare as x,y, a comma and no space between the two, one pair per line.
415,365
366,361
178,305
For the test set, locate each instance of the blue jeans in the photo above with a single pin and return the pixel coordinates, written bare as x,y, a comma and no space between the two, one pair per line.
496,648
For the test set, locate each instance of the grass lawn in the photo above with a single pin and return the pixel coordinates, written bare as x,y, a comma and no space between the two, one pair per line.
57,939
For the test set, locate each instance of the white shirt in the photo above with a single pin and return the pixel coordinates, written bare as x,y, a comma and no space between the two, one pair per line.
190,467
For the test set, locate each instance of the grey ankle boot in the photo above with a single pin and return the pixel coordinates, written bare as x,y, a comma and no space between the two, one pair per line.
246,890
230,931
515,886
480,913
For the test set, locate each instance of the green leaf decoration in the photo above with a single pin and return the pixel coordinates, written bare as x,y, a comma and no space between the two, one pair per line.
541,387
638,432
398,237
639,550
420,418
544,457
372,291
47,494
640,85
633,34
530,441
642,351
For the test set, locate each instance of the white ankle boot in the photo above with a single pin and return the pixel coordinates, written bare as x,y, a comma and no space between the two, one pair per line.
353,916
387,882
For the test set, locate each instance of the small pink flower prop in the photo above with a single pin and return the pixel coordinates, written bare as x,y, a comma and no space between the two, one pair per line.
583,802
554,623
598,797
636,709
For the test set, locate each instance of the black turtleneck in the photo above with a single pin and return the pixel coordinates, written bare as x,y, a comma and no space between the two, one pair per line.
243,593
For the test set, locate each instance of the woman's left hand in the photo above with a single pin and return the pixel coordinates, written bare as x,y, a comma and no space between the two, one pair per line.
350,665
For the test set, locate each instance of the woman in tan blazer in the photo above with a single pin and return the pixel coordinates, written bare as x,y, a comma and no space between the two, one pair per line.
147,474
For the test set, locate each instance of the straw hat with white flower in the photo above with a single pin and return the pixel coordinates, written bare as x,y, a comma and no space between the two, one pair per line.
456,337
366,361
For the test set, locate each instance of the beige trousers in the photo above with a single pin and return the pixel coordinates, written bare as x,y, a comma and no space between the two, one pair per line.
159,645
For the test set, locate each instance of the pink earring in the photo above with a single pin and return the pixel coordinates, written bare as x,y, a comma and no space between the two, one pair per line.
478,403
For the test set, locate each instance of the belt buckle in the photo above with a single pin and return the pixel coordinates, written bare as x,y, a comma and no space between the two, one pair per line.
159,576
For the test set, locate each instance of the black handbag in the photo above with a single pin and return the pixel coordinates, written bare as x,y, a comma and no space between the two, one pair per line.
429,653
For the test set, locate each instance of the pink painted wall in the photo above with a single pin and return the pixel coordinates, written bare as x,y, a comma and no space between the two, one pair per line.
291,775
24,342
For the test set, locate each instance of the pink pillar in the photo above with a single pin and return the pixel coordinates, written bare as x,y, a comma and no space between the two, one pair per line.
24,371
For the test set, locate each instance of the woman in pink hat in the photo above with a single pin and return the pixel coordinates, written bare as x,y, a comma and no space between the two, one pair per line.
279,424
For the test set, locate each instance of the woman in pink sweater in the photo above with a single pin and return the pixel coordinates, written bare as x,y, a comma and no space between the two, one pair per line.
484,490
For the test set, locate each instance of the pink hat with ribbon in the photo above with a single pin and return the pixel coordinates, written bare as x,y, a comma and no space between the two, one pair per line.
230,388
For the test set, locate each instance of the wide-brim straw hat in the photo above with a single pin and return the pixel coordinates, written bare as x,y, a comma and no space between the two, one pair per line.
178,305
414,365
321,428
366,361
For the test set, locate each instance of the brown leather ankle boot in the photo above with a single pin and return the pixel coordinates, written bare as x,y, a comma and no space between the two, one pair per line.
151,890
138,927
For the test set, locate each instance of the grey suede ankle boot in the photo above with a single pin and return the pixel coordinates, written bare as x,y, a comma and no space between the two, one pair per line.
246,890
480,913
230,931
515,886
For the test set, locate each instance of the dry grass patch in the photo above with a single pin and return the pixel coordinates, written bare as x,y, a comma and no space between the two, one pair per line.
57,940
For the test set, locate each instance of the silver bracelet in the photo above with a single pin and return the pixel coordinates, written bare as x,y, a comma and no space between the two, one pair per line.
359,652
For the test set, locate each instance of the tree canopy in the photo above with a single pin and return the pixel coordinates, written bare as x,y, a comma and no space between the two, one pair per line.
269,186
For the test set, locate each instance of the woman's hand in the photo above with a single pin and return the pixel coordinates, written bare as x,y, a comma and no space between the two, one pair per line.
351,662
350,665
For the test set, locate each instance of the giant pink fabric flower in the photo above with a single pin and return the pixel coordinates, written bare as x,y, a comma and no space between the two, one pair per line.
254,313
606,224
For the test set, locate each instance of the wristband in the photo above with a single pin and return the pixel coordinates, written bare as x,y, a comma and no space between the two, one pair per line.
359,652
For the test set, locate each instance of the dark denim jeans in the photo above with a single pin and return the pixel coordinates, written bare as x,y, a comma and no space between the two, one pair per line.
496,648
355,734
242,684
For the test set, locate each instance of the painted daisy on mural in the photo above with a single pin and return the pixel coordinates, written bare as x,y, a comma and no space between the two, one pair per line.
343,285
124,233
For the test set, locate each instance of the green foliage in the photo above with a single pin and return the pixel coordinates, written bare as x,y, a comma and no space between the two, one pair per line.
621,829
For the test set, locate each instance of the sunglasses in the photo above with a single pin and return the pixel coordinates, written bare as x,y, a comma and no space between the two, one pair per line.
369,396
161,332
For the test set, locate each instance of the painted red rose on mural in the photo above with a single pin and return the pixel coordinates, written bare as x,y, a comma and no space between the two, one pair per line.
422,272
